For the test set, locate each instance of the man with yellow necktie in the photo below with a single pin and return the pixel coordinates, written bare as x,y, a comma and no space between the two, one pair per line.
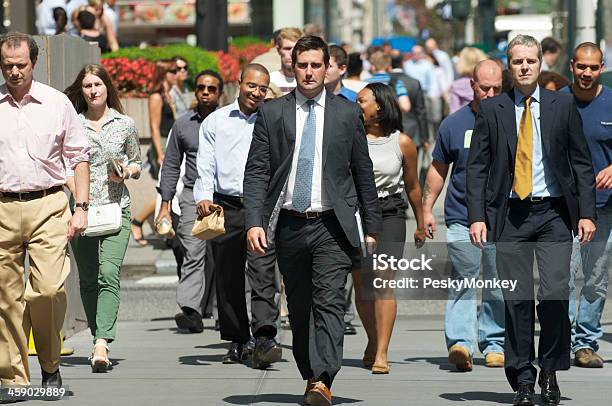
530,185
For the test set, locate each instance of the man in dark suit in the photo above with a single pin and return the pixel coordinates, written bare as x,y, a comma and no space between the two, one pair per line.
530,185
308,169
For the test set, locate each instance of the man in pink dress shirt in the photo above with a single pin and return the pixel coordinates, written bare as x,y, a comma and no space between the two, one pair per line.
41,134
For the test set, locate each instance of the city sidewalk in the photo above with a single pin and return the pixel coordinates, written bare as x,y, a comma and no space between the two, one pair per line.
156,364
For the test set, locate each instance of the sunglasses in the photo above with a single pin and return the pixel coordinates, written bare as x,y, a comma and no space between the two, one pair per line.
173,71
211,89
182,67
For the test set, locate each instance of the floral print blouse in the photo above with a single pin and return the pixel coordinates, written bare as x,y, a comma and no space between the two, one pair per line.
117,139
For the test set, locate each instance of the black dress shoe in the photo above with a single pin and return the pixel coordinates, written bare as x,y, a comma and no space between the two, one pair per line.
524,395
349,329
53,380
551,395
234,354
267,351
189,320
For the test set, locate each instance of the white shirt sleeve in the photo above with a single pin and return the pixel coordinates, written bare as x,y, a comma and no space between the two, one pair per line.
204,186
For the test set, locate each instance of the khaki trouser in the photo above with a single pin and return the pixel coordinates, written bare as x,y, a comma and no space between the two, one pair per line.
39,226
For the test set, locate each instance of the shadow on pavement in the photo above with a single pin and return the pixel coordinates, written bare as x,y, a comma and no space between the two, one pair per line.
278,398
442,362
495,397
200,359
74,361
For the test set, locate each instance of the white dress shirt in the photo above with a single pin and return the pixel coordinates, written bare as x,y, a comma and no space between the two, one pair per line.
319,200
223,149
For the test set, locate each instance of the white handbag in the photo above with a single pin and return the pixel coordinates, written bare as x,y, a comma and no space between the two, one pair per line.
103,220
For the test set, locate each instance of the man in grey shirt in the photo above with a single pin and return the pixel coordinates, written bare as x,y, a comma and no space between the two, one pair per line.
183,144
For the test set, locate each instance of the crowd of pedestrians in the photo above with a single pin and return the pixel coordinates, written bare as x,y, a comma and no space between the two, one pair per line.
313,164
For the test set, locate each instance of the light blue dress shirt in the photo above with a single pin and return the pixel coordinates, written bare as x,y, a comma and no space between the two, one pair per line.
421,70
224,143
544,183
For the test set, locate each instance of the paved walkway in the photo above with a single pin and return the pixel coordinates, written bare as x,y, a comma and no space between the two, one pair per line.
156,364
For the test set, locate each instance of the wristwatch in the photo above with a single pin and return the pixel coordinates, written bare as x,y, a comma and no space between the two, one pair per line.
83,205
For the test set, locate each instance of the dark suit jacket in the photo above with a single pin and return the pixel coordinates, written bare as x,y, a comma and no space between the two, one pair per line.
415,121
348,177
490,168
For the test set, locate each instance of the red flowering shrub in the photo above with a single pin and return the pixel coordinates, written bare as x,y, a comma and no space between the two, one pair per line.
131,77
229,67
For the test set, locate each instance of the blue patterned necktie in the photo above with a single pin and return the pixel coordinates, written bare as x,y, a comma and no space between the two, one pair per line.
302,189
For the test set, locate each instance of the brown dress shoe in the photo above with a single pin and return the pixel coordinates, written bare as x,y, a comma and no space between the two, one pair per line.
318,395
587,358
460,357
494,360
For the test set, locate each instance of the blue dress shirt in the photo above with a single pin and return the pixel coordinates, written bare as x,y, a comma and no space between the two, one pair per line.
225,140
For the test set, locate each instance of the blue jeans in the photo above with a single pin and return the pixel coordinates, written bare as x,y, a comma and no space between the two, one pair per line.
463,321
595,258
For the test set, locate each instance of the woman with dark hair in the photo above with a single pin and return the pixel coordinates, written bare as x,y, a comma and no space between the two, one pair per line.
552,81
162,113
394,158
182,97
114,156
61,20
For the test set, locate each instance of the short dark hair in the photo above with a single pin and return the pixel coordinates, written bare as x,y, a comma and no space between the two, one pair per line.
87,20
397,61
355,64
210,72
588,47
254,66
389,115
549,44
339,55
308,43
15,39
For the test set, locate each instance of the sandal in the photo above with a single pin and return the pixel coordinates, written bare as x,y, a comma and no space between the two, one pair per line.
138,225
100,364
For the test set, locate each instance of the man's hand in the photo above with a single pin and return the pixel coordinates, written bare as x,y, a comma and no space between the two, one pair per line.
114,177
430,224
603,180
256,240
371,241
586,230
164,213
478,233
204,208
77,223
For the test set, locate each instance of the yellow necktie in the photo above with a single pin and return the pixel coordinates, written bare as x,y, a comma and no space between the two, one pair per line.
522,165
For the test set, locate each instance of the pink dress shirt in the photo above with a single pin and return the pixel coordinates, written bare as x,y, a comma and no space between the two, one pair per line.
38,138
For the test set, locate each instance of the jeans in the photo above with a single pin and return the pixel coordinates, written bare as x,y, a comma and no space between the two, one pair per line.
595,258
462,320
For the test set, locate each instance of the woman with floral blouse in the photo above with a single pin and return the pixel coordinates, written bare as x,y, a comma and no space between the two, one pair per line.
112,137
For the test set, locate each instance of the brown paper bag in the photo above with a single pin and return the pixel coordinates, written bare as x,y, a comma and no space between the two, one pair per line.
208,227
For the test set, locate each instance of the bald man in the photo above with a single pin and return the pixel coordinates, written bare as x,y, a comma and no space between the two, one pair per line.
462,321
593,101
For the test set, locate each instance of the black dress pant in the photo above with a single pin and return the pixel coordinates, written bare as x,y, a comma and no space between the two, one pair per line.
230,253
544,229
314,257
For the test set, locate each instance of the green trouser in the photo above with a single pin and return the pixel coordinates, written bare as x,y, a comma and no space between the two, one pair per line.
99,261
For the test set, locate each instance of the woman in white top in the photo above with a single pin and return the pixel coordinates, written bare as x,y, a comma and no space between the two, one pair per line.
394,159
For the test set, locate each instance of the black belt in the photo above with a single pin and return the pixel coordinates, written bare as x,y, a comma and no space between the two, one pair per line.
37,194
228,198
536,199
308,214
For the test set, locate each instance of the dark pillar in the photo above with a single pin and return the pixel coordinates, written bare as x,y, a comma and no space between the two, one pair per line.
262,23
486,9
211,24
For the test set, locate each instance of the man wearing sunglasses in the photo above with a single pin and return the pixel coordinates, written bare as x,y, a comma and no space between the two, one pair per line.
225,139
183,148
